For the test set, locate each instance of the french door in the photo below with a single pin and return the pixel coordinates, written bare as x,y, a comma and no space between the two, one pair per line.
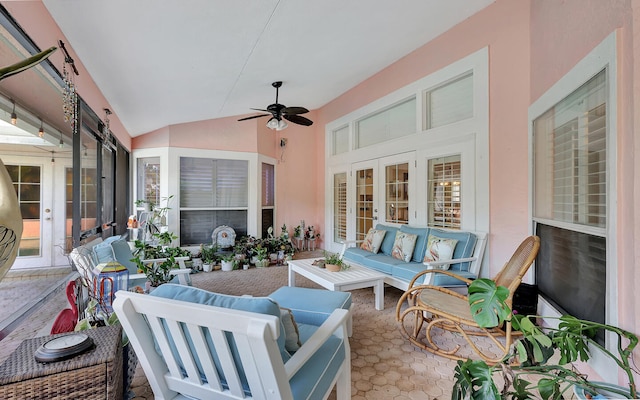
41,187
365,184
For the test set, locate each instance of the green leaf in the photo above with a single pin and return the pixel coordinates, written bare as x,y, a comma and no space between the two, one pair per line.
26,63
549,389
488,303
473,379
521,392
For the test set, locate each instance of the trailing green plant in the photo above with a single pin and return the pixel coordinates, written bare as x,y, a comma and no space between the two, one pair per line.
573,339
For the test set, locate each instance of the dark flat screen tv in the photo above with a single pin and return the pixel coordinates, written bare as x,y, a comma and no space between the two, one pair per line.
571,272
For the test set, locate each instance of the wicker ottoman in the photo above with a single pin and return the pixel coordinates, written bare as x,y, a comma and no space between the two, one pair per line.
95,374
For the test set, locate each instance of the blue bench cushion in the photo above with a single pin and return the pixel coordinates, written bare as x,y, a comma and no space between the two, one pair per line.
464,248
356,254
421,241
311,306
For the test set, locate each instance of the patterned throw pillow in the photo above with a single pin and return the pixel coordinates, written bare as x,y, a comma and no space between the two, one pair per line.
403,246
373,240
439,249
291,333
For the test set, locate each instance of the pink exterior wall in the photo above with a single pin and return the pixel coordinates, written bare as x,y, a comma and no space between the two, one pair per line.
504,28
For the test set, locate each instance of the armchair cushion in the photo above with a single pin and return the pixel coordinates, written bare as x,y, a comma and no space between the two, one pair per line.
102,252
261,305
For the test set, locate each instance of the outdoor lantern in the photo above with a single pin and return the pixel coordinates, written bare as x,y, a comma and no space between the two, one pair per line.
110,277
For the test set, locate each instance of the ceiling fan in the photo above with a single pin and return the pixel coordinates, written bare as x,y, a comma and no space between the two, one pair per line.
279,111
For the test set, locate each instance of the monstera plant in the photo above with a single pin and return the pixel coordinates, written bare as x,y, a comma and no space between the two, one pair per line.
573,340
10,217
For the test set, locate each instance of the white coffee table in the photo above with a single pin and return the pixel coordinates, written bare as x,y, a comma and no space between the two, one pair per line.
355,277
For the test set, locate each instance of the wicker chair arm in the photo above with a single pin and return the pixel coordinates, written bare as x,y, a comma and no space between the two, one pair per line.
437,271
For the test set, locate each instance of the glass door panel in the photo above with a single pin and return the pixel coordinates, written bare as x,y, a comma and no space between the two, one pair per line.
397,193
366,203
42,206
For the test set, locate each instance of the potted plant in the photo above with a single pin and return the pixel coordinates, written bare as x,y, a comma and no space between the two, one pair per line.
227,261
157,272
573,339
208,256
333,262
262,257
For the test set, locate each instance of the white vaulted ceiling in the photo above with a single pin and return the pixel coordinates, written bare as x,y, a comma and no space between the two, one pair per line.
163,62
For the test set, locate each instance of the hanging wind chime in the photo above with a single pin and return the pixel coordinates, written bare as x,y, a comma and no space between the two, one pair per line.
70,95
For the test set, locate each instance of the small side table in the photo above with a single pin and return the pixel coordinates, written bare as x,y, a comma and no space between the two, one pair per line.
95,374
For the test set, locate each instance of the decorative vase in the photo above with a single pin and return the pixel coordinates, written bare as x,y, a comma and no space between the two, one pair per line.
245,266
332,267
206,267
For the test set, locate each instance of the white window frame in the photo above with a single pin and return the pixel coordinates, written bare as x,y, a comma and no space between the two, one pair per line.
603,56
170,179
471,134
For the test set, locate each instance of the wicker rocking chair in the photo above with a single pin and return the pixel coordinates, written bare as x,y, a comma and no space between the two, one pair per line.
449,311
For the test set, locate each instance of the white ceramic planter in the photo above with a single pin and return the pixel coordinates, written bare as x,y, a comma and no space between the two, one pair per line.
227,265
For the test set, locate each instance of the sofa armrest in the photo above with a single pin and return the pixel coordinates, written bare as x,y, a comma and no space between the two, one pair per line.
348,243
335,324
437,264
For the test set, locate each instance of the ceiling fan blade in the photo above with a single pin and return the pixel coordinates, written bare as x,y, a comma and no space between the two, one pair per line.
296,119
255,116
294,110
259,109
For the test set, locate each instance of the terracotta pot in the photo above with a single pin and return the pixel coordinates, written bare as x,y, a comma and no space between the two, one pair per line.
332,267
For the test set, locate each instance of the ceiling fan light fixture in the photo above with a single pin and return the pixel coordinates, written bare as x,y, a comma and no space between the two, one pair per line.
273,123
281,125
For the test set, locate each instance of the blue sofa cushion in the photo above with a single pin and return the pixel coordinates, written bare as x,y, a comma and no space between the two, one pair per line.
382,263
464,247
311,306
314,379
356,254
389,238
406,271
421,241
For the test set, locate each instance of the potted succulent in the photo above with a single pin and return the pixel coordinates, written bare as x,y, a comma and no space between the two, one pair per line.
529,357
157,272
